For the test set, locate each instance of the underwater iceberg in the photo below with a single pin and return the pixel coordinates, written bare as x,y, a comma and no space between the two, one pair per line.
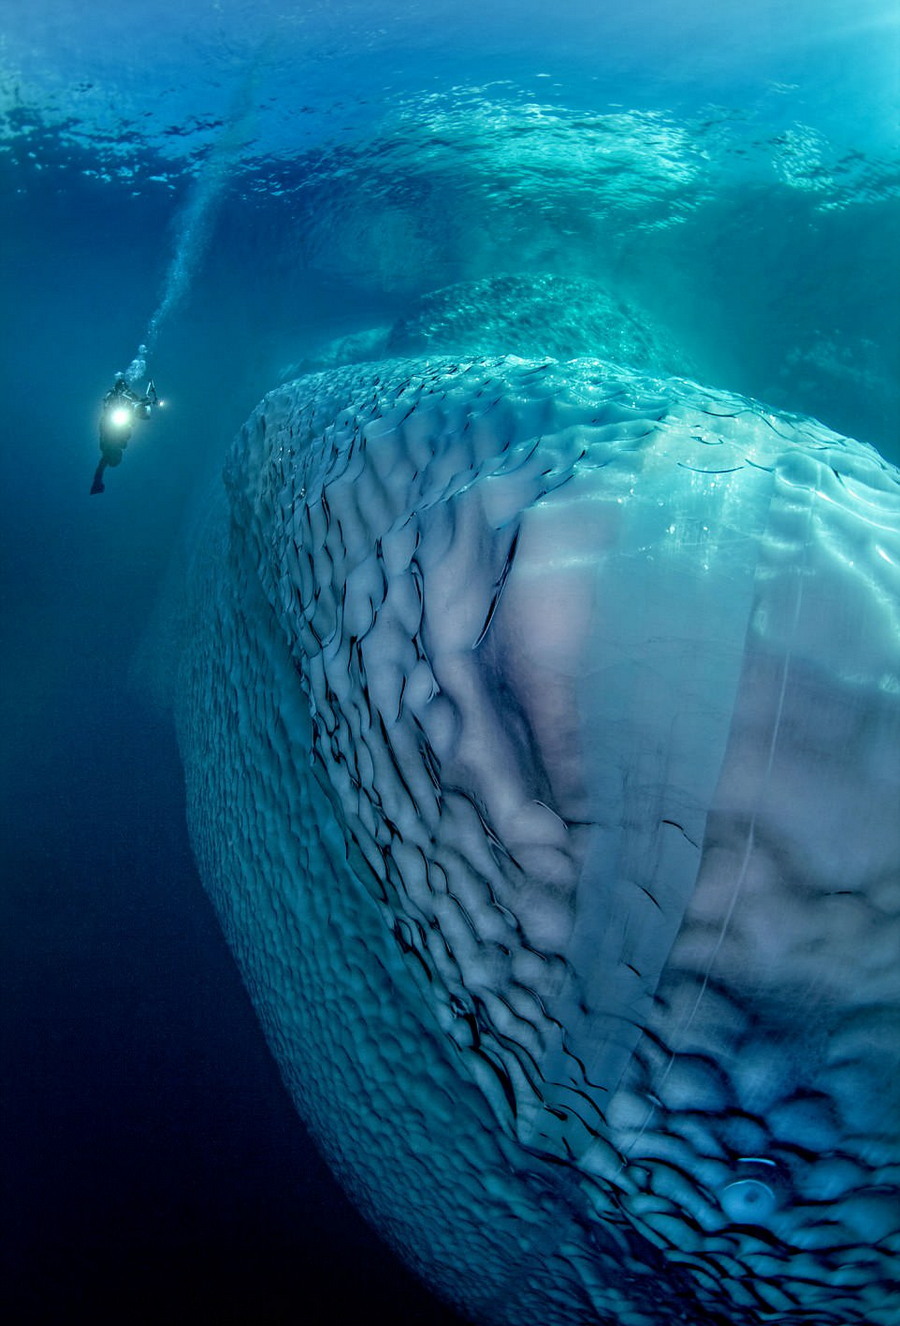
540,722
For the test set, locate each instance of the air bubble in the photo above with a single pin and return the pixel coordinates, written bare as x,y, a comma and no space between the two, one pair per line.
748,1201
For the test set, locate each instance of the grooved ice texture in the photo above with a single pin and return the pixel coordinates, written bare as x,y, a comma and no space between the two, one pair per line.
541,724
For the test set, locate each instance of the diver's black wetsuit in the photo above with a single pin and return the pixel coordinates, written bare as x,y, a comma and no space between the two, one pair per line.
115,433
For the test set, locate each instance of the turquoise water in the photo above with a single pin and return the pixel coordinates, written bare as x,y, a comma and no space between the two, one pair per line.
259,188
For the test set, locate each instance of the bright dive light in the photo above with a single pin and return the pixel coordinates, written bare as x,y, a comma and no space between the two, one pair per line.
121,416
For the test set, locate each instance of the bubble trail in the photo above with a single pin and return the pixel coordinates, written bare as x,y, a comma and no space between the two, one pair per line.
198,218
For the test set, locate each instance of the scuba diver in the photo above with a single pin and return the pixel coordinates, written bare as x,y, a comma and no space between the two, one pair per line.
121,409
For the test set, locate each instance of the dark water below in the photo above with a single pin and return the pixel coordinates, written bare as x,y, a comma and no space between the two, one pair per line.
152,1160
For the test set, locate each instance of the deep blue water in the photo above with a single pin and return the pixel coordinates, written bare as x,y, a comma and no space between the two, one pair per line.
151,1155
735,175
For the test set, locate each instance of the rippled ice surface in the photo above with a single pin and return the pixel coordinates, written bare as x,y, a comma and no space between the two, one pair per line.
295,186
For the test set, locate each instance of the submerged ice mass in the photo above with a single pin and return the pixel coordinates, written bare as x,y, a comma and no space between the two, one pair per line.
538,706
540,723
